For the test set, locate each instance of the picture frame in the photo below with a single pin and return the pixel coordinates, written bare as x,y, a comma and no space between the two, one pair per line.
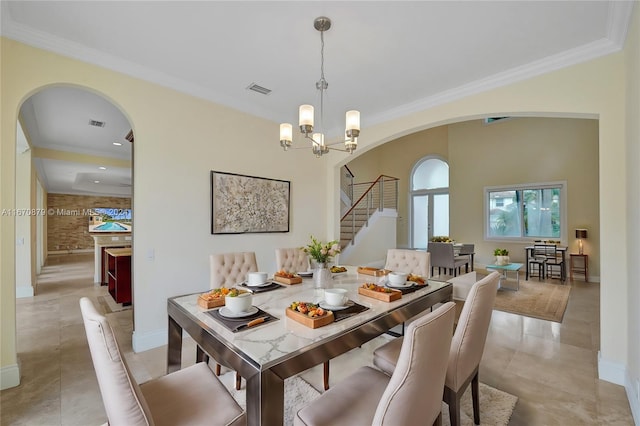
243,204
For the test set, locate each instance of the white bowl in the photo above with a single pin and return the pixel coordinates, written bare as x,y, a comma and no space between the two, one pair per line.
397,278
238,304
256,278
336,296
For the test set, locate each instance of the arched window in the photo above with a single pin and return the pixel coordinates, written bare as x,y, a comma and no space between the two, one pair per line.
429,200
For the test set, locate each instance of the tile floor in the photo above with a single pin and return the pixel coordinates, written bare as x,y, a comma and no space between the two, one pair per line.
551,367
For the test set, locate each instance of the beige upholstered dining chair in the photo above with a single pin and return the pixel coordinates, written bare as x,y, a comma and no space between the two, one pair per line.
227,270
292,260
409,261
191,396
411,396
466,350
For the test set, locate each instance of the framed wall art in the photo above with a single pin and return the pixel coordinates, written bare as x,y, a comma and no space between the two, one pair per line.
248,204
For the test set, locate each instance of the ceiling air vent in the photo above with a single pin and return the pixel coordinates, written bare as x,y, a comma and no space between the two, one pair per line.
259,89
96,123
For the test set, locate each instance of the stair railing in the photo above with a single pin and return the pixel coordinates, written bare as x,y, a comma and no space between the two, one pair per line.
371,197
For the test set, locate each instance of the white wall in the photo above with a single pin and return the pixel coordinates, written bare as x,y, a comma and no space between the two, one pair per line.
372,241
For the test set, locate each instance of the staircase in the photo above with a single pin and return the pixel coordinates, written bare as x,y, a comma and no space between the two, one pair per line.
369,197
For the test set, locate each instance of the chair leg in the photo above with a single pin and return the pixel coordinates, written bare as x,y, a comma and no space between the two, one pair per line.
475,395
238,381
326,375
454,410
217,369
438,420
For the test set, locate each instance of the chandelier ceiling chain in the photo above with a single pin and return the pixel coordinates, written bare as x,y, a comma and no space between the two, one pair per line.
305,120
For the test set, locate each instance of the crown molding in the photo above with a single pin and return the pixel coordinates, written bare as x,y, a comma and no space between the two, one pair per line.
42,40
617,27
619,20
564,59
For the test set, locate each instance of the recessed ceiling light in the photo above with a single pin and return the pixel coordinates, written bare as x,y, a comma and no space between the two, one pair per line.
117,144
102,168
96,181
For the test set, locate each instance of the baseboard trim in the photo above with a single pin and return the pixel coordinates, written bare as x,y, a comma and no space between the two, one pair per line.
149,340
24,291
633,397
9,376
610,371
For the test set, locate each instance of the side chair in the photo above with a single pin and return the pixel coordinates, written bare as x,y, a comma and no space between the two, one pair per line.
227,270
442,256
292,260
466,348
409,261
190,396
411,396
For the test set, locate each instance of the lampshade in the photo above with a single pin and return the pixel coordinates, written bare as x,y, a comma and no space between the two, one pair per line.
581,233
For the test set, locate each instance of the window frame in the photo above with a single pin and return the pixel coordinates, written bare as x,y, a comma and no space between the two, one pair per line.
561,185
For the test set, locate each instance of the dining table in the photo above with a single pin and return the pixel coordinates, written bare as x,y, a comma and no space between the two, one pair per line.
528,254
270,352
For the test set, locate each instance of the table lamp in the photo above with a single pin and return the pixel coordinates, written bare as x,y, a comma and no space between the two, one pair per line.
580,234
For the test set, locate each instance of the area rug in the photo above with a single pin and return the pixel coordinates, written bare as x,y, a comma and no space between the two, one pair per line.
496,406
536,300
297,394
109,305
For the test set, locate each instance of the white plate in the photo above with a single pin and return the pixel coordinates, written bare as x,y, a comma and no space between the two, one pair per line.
264,284
407,284
325,305
306,274
227,313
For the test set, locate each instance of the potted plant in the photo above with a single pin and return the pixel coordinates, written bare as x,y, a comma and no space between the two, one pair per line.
502,256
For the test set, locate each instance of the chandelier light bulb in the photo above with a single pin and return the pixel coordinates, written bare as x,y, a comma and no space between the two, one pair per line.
286,135
305,118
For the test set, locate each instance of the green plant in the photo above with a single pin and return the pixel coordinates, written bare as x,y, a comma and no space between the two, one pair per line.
501,252
322,253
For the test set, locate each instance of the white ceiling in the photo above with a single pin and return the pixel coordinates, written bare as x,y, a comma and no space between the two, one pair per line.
384,58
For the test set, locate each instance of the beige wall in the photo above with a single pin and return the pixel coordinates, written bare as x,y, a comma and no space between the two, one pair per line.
594,89
516,151
520,151
179,140
71,231
632,66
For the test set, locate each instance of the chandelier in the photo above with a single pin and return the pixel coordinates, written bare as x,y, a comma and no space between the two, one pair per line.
306,113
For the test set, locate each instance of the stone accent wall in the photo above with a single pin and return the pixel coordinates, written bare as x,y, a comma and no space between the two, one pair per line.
68,220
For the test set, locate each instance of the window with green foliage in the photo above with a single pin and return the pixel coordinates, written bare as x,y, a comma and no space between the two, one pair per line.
525,212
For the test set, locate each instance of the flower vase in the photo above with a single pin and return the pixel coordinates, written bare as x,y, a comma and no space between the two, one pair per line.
502,260
321,275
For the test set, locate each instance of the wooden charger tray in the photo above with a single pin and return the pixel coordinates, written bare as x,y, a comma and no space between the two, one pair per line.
367,270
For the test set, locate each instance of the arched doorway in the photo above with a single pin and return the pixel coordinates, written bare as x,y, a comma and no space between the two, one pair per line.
78,151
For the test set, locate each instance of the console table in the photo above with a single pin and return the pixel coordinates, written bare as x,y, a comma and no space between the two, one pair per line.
118,261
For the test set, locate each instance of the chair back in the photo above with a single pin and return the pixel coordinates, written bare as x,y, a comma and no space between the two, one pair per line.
471,332
441,254
409,261
292,260
122,398
229,269
467,249
414,393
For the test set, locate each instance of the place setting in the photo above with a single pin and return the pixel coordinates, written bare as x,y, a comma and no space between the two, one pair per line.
238,313
258,282
337,301
405,282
